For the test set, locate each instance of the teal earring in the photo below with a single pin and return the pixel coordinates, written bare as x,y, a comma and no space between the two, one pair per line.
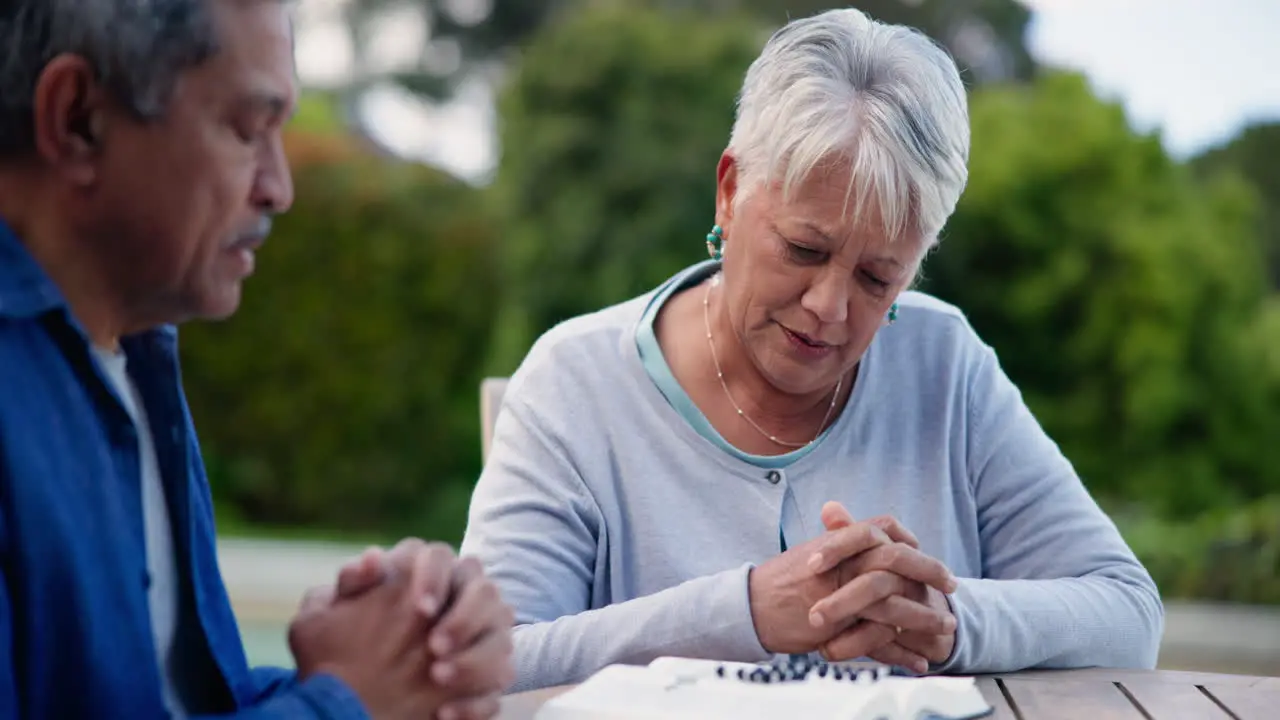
715,243
893,313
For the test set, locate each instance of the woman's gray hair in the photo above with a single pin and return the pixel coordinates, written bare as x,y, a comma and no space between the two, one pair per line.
839,86
138,48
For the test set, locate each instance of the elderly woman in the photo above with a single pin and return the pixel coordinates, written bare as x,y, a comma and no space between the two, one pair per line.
680,474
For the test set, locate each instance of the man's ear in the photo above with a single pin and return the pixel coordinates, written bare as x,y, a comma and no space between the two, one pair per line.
68,113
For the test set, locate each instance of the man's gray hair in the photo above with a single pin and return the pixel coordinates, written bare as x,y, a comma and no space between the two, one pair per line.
839,86
138,48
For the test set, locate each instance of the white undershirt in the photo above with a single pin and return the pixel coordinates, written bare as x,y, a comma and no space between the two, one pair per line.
162,595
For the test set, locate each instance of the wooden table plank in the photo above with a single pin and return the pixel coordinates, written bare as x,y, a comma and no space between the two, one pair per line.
995,698
1184,677
1091,694
1173,701
1248,703
1069,699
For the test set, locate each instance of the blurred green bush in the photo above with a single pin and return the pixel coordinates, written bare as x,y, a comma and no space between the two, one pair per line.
1228,554
1123,295
344,392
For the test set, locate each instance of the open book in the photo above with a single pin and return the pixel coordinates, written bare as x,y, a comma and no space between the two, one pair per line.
680,689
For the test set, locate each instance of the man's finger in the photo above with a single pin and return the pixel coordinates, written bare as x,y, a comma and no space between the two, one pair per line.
481,708
482,668
426,567
898,611
465,572
316,598
431,576
361,573
839,545
477,610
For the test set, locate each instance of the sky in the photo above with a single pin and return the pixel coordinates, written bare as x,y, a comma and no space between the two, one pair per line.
1195,75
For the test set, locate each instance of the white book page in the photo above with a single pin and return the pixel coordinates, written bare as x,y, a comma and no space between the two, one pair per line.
678,688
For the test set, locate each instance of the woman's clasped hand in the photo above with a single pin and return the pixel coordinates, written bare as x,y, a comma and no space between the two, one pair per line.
861,589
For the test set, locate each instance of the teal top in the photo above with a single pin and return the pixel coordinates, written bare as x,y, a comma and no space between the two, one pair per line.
655,364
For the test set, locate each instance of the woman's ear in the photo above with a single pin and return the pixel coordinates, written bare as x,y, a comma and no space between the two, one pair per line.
726,188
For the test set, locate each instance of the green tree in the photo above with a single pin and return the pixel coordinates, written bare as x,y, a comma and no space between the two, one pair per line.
1119,292
611,130
1253,153
343,394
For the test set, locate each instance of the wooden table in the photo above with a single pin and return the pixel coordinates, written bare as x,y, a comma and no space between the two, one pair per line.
1084,695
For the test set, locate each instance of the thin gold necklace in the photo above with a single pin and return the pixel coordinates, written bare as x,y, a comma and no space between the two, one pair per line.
706,319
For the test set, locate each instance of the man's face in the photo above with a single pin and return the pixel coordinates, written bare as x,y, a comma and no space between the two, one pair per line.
181,204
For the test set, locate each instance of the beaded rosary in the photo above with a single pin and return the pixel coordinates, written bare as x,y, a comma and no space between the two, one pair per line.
797,668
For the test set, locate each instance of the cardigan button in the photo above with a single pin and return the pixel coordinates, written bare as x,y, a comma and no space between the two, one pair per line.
774,477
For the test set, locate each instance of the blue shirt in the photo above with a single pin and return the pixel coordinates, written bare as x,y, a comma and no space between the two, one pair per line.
75,633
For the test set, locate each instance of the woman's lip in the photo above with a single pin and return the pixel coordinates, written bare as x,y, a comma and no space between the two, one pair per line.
806,338
805,345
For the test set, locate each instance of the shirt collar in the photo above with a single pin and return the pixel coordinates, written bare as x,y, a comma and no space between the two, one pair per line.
25,289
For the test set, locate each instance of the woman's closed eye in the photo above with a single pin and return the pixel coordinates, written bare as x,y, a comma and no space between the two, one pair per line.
875,281
805,255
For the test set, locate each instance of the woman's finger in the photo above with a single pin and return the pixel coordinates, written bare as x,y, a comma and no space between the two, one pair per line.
851,599
895,654
858,641
904,560
839,545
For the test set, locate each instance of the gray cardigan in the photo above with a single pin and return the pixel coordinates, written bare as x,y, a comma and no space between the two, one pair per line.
620,534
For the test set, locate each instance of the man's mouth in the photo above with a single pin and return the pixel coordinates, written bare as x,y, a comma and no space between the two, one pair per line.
249,242
253,237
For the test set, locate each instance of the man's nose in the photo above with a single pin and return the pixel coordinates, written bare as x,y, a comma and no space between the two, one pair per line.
273,187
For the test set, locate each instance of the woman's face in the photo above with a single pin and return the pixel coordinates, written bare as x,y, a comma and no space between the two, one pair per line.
805,287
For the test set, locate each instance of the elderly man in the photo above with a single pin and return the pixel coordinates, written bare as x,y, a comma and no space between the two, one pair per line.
140,165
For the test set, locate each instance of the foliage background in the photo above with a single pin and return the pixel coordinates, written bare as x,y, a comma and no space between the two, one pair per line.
342,394
1133,297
